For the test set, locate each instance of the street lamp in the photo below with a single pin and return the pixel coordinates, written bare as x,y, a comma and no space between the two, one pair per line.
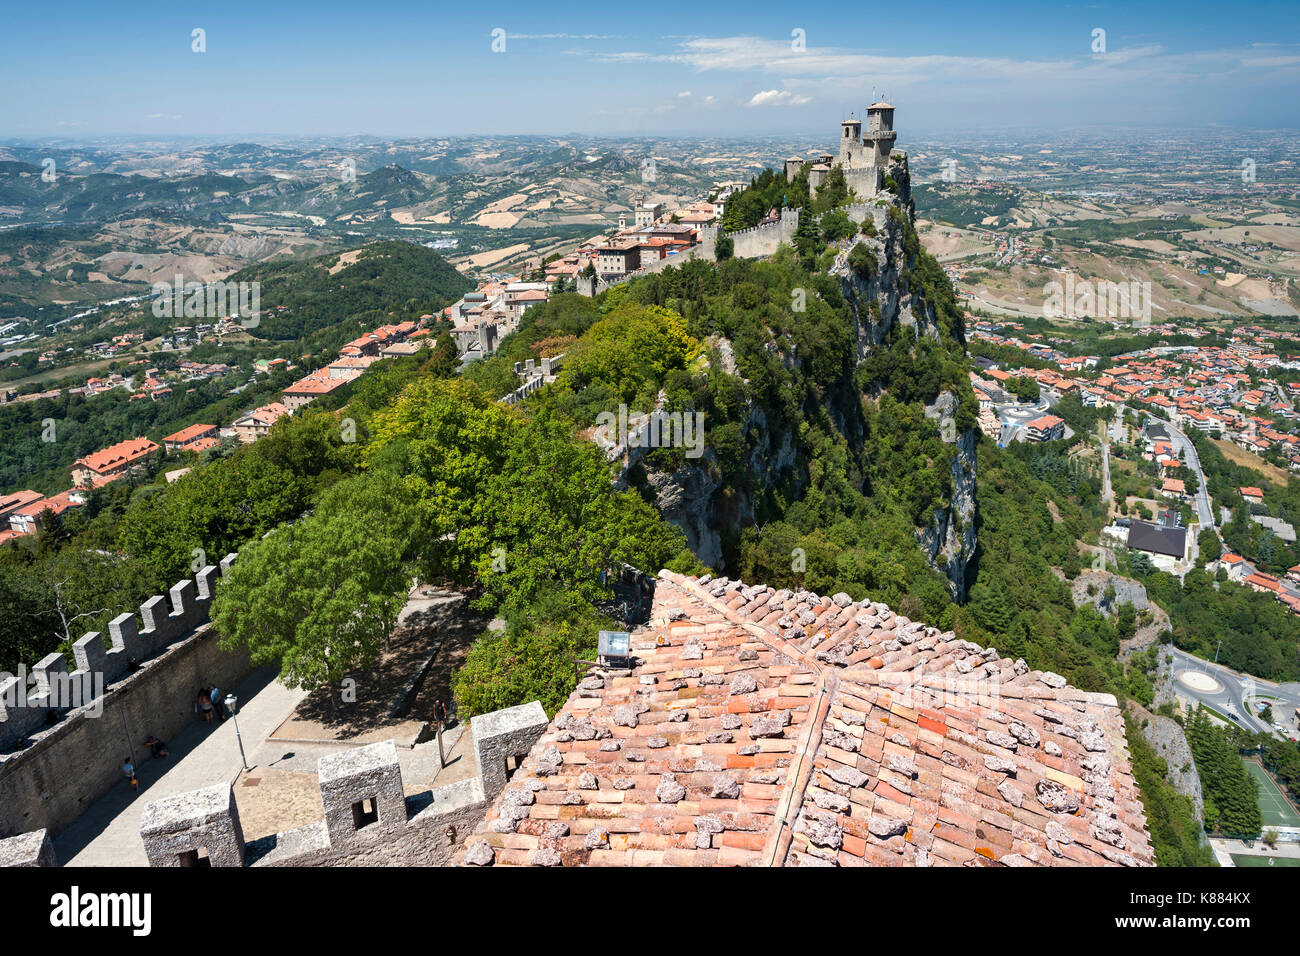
231,701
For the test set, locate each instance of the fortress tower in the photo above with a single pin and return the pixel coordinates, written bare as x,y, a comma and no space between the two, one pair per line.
863,157
853,154
880,132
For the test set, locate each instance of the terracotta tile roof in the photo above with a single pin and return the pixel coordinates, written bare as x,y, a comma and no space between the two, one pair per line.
763,727
117,456
267,414
1263,581
1046,422
187,435
11,502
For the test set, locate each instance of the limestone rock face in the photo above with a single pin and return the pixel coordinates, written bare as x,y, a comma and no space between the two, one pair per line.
691,495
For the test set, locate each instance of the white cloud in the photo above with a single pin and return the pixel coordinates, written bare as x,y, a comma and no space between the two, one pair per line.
778,98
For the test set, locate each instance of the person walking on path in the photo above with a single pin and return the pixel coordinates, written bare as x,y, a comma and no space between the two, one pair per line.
128,769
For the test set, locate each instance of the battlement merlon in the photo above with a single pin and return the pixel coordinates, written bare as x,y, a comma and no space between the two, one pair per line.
166,619
176,828
28,849
503,737
359,788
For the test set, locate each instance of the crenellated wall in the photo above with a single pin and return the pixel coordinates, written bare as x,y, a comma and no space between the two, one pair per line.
61,745
368,819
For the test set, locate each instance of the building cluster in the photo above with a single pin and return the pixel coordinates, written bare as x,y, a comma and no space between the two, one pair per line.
21,511
1221,390
482,318
649,236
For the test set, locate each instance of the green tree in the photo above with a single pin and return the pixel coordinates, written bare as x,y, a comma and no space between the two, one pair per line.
533,658
320,597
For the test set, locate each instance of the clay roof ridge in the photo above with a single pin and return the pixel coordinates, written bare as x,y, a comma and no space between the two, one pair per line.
799,774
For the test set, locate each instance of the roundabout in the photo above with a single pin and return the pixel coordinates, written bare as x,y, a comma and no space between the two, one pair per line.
1199,681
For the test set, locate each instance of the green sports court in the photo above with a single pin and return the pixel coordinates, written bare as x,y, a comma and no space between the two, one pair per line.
1246,859
1274,807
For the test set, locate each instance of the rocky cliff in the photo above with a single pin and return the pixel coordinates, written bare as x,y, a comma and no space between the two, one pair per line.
881,298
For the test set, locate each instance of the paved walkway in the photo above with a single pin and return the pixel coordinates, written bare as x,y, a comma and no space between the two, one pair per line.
108,833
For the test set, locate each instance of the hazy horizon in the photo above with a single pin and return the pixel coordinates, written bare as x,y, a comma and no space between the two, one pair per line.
427,70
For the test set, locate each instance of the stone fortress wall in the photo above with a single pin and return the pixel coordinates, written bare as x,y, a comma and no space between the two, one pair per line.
368,820
62,741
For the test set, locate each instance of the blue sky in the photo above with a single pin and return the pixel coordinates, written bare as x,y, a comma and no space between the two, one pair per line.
426,69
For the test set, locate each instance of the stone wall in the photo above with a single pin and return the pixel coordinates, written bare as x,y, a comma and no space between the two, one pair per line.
56,761
438,824
368,820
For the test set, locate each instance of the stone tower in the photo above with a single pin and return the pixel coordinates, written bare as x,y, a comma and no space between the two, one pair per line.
863,157
880,132
852,153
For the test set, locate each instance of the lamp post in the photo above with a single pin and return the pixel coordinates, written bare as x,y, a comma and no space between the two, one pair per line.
231,701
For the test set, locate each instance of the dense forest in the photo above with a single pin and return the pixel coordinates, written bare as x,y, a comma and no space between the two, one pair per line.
302,297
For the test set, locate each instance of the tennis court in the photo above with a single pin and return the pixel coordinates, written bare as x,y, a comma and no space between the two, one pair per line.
1273,805
1245,859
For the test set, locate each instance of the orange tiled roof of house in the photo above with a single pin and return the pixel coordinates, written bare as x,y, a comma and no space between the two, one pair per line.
1264,581
771,727
1252,492
267,413
115,456
187,435
316,384
18,499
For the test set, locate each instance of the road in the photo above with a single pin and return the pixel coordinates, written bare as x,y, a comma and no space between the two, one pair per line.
1187,451
1113,431
1233,689
1106,493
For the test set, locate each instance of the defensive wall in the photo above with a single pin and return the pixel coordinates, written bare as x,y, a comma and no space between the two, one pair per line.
63,734
368,819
